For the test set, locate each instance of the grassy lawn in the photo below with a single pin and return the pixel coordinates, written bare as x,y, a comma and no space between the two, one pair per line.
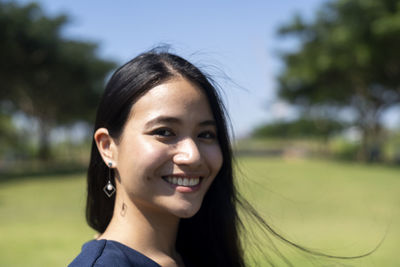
337,208
42,221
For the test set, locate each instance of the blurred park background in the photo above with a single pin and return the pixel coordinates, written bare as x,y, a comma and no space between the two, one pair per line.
312,88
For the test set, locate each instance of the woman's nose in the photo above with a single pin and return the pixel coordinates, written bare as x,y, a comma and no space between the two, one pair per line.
187,152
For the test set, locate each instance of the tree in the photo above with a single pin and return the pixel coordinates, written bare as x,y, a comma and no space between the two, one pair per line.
44,75
349,57
303,127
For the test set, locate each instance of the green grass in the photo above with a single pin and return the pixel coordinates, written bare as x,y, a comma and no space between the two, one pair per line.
42,220
337,208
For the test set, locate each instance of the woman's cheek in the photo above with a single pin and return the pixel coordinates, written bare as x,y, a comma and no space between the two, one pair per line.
154,154
215,159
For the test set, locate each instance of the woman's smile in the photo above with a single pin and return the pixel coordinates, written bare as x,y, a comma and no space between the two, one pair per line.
183,183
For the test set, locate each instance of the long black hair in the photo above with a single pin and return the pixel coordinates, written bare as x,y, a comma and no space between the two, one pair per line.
212,236
209,238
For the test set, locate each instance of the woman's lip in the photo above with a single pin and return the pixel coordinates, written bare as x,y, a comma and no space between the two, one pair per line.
192,183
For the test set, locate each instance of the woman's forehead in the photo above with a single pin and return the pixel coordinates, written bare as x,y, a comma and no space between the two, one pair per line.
175,98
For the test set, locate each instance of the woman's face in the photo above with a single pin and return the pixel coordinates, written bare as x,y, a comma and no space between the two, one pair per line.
169,154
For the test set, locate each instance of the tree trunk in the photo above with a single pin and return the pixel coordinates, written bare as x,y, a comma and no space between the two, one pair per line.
362,154
371,143
44,140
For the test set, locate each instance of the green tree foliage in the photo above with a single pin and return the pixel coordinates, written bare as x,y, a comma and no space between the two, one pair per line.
303,127
349,56
44,75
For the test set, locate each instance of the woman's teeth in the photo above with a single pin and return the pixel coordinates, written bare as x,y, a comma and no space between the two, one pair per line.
183,181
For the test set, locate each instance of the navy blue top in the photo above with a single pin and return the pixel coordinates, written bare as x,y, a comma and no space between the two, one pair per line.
108,253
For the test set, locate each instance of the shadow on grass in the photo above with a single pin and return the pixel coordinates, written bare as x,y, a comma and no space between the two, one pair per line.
41,170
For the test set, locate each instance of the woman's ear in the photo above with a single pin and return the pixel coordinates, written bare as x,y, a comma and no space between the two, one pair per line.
106,146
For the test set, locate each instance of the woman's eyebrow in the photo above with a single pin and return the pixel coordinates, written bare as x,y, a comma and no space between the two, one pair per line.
174,120
162,119
208,123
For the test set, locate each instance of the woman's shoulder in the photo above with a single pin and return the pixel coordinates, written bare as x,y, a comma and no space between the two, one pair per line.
97,253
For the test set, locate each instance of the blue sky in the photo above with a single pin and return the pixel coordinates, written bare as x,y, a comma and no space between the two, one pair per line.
237,38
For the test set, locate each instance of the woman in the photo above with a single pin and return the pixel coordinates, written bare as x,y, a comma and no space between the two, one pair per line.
160,183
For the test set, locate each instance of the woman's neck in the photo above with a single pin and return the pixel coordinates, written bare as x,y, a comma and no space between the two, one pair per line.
144,229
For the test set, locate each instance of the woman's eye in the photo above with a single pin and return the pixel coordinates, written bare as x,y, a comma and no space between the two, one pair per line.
208,135
163,132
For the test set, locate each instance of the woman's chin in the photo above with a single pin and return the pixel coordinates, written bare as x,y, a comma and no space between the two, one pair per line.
178,206
186,215
187,211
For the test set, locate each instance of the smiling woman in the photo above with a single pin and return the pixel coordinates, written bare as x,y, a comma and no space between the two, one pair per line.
160,183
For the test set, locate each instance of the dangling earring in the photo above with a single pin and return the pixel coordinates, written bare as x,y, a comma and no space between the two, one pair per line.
109,189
